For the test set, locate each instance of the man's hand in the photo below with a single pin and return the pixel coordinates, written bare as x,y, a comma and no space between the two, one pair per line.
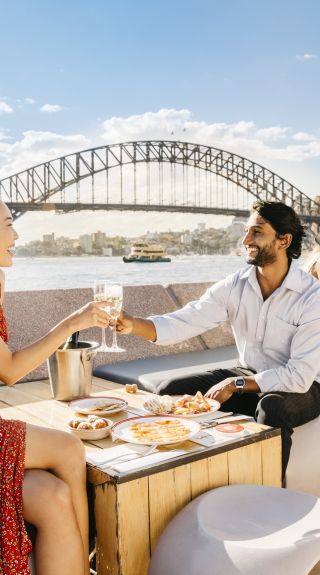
222,391
124,323
136,325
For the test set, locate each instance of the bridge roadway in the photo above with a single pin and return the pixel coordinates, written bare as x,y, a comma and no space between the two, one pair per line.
21,207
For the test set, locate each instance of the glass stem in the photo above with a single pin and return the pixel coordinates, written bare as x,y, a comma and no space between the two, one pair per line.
103,337
114,334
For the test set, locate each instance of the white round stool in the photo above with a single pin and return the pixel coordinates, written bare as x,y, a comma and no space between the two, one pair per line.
242,530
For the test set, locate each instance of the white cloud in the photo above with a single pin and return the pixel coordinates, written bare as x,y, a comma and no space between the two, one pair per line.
37,147
30,100
146,126
51,108
242,137
307,56
273,133
303,136
5,108
4,134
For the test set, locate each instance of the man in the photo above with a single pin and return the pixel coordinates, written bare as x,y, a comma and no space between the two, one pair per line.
274,310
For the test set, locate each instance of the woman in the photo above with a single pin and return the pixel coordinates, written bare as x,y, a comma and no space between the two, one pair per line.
42,471
312,264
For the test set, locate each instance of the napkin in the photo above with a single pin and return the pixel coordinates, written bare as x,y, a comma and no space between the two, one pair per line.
152,459
211,416
210,437
101,457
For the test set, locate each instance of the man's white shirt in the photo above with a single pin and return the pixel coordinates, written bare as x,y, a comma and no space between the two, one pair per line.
279,338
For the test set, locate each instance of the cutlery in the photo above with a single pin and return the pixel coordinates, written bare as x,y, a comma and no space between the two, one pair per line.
128,456
207,424
214,422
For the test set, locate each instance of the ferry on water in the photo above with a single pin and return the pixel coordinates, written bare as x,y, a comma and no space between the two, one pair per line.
143,252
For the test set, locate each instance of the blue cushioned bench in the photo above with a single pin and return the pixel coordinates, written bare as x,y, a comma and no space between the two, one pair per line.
150,373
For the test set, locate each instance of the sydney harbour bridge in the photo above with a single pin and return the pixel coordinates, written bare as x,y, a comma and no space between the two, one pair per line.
152,175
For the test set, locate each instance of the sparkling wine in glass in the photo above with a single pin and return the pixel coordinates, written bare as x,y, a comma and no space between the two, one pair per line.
99,294
114,296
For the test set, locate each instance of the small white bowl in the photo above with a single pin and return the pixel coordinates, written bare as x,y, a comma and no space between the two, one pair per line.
92,434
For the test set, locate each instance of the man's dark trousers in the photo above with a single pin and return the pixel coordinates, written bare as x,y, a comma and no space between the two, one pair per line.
277,409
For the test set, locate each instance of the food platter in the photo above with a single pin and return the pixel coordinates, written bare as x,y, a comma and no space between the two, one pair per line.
99,405
214,406
156,429
151,407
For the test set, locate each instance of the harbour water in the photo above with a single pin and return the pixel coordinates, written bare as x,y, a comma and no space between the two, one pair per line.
74,272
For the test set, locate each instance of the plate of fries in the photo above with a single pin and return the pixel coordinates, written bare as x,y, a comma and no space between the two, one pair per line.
157,429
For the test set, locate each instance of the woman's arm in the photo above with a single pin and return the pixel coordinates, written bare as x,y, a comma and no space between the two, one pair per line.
13,366
2,282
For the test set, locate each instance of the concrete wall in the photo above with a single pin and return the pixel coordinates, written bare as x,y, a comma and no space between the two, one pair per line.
30,314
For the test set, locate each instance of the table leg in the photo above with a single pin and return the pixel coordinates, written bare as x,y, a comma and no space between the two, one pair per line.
122,524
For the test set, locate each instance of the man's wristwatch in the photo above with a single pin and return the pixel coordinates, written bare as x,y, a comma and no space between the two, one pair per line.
239,383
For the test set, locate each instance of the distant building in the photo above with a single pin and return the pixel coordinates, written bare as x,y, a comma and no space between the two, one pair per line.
238,220
150,236
201,227
186,238
48,239
99,239
237,227
107,251
85,242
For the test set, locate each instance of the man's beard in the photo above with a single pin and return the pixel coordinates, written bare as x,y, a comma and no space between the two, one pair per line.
263,257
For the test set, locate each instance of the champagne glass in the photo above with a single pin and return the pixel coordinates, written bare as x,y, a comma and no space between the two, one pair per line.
99,294
114,295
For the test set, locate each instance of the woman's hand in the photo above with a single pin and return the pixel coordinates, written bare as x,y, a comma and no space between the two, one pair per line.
90,315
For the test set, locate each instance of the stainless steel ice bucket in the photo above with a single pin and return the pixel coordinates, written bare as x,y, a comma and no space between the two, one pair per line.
70,370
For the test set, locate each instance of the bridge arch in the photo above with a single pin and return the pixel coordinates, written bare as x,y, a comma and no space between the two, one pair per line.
35,188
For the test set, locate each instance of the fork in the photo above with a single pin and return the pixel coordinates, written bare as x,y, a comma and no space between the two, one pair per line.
208,424
128,456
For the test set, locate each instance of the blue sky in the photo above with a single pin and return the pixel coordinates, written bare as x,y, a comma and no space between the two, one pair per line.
242,75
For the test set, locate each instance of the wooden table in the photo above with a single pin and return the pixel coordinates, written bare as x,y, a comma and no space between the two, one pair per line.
132,509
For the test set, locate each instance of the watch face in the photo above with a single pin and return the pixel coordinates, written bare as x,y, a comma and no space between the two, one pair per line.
240,384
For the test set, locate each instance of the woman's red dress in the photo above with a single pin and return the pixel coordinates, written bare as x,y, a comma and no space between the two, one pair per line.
15,544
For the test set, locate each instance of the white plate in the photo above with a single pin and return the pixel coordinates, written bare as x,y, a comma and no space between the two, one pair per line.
92,434
121,430
88,405
215,406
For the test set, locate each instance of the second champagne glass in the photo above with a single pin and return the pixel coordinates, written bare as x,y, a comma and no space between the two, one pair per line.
114,295
99,294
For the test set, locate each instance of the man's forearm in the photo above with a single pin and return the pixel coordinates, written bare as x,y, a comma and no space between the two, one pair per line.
144,328
251,385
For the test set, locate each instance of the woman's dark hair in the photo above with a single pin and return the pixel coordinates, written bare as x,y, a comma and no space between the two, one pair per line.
284,220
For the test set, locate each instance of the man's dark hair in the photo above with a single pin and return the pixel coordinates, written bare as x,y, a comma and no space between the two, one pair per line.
284,220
